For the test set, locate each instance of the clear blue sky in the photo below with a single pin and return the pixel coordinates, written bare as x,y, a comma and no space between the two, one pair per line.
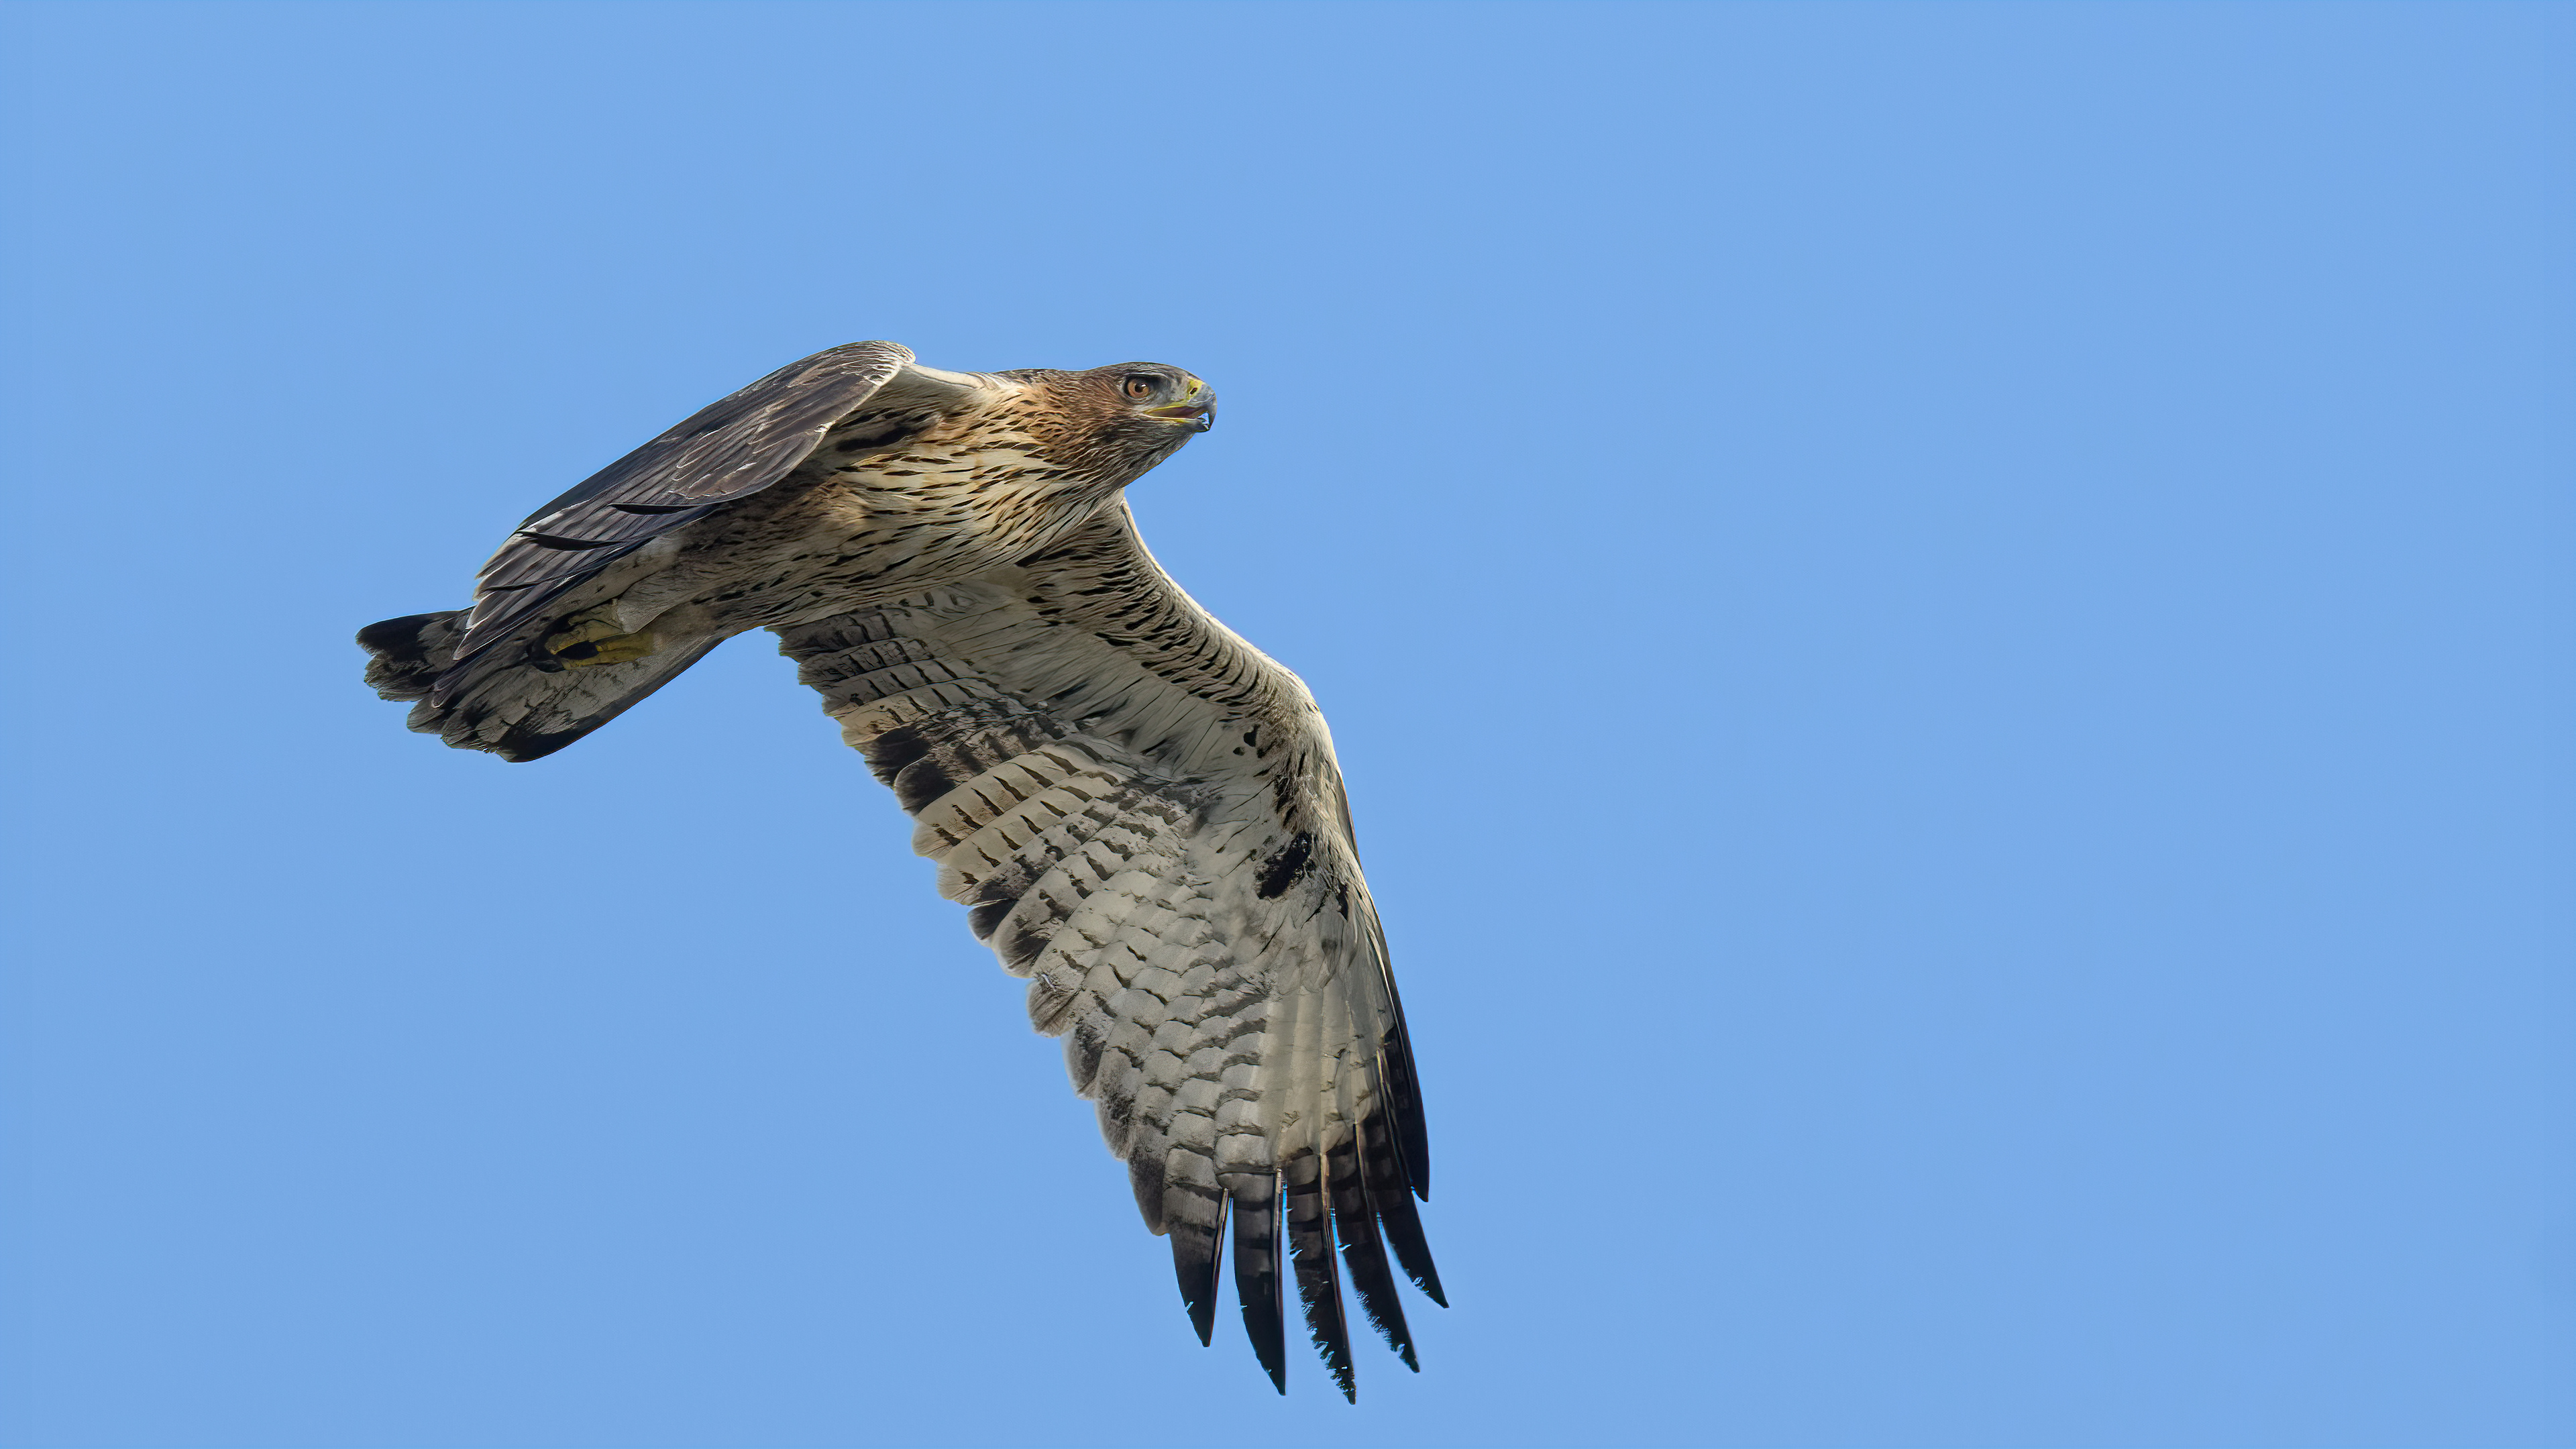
1947,623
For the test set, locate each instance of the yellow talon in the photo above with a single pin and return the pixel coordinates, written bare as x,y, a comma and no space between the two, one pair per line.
592,638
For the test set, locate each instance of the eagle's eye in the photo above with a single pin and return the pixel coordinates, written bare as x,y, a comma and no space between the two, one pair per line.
1139,385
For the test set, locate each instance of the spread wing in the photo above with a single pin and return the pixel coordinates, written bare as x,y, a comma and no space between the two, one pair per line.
1144,816
729,449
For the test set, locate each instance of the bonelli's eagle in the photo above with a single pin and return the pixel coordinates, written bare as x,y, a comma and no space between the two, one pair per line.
1140,810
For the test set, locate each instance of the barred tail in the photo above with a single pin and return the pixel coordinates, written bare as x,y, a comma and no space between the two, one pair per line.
501,702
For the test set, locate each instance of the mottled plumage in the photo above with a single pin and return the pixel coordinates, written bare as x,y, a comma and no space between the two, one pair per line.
1140,810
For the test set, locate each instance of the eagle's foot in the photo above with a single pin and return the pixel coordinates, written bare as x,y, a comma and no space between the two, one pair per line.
593,638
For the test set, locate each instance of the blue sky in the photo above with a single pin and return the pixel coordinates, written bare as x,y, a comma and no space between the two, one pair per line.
1946,621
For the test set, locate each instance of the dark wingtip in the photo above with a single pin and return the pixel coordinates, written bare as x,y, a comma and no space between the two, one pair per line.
1198,1255
1412,1132
1256,1282
1364,1255
1404,1234
1319,1286
1427,1278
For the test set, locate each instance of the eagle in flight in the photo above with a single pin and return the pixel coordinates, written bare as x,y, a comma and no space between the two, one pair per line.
1140,810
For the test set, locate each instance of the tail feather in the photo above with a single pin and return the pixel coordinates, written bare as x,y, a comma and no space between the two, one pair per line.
405,655
500,701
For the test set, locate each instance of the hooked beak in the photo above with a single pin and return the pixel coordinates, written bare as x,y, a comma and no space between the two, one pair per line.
1196,408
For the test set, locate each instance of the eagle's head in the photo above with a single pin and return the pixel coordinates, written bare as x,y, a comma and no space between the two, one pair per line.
1133,415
